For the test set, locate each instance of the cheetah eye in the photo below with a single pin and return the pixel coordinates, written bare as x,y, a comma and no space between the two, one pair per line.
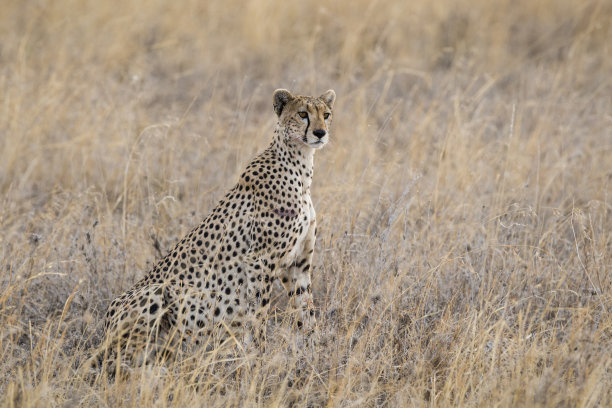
303,115
326,115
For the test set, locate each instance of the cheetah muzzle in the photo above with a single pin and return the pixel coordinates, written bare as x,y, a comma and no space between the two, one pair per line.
216,281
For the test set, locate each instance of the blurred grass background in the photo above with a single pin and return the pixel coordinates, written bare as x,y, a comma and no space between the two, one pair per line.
465,232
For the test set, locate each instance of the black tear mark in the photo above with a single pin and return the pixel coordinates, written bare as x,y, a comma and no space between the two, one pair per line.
306,131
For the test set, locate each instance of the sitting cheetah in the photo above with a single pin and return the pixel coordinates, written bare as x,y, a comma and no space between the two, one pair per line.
216,281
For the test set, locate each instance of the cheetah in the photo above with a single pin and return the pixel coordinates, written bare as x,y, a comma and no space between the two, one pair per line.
217,280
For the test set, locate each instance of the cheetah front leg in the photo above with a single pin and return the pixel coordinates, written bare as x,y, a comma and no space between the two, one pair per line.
295,277
258,284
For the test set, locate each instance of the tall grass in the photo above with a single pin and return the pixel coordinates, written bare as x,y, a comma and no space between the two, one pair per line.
465,229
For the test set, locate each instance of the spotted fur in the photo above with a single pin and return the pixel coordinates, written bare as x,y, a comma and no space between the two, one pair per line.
217,280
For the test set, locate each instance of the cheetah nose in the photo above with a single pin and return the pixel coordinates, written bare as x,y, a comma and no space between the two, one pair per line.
319,133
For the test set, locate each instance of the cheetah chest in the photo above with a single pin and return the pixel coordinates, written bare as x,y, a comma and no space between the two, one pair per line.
304,230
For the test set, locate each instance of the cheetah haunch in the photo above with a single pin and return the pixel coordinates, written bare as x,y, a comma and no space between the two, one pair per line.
217,280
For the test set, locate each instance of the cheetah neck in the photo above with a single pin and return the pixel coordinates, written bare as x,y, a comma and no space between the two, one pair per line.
299,157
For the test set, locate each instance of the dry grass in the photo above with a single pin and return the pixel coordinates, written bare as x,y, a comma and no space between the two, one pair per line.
465,225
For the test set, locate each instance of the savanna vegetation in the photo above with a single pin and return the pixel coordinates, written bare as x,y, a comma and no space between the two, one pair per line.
464,202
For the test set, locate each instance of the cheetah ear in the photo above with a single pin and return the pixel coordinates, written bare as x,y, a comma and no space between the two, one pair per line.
329,98
281,98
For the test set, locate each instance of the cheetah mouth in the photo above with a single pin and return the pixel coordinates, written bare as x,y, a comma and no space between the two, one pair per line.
317,143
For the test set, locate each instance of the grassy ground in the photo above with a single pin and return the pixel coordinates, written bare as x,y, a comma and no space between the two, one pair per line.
464,206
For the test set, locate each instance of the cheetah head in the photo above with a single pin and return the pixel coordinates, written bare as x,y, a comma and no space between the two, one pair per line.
304,120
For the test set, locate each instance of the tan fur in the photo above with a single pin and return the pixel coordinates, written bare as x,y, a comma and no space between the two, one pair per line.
219,276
